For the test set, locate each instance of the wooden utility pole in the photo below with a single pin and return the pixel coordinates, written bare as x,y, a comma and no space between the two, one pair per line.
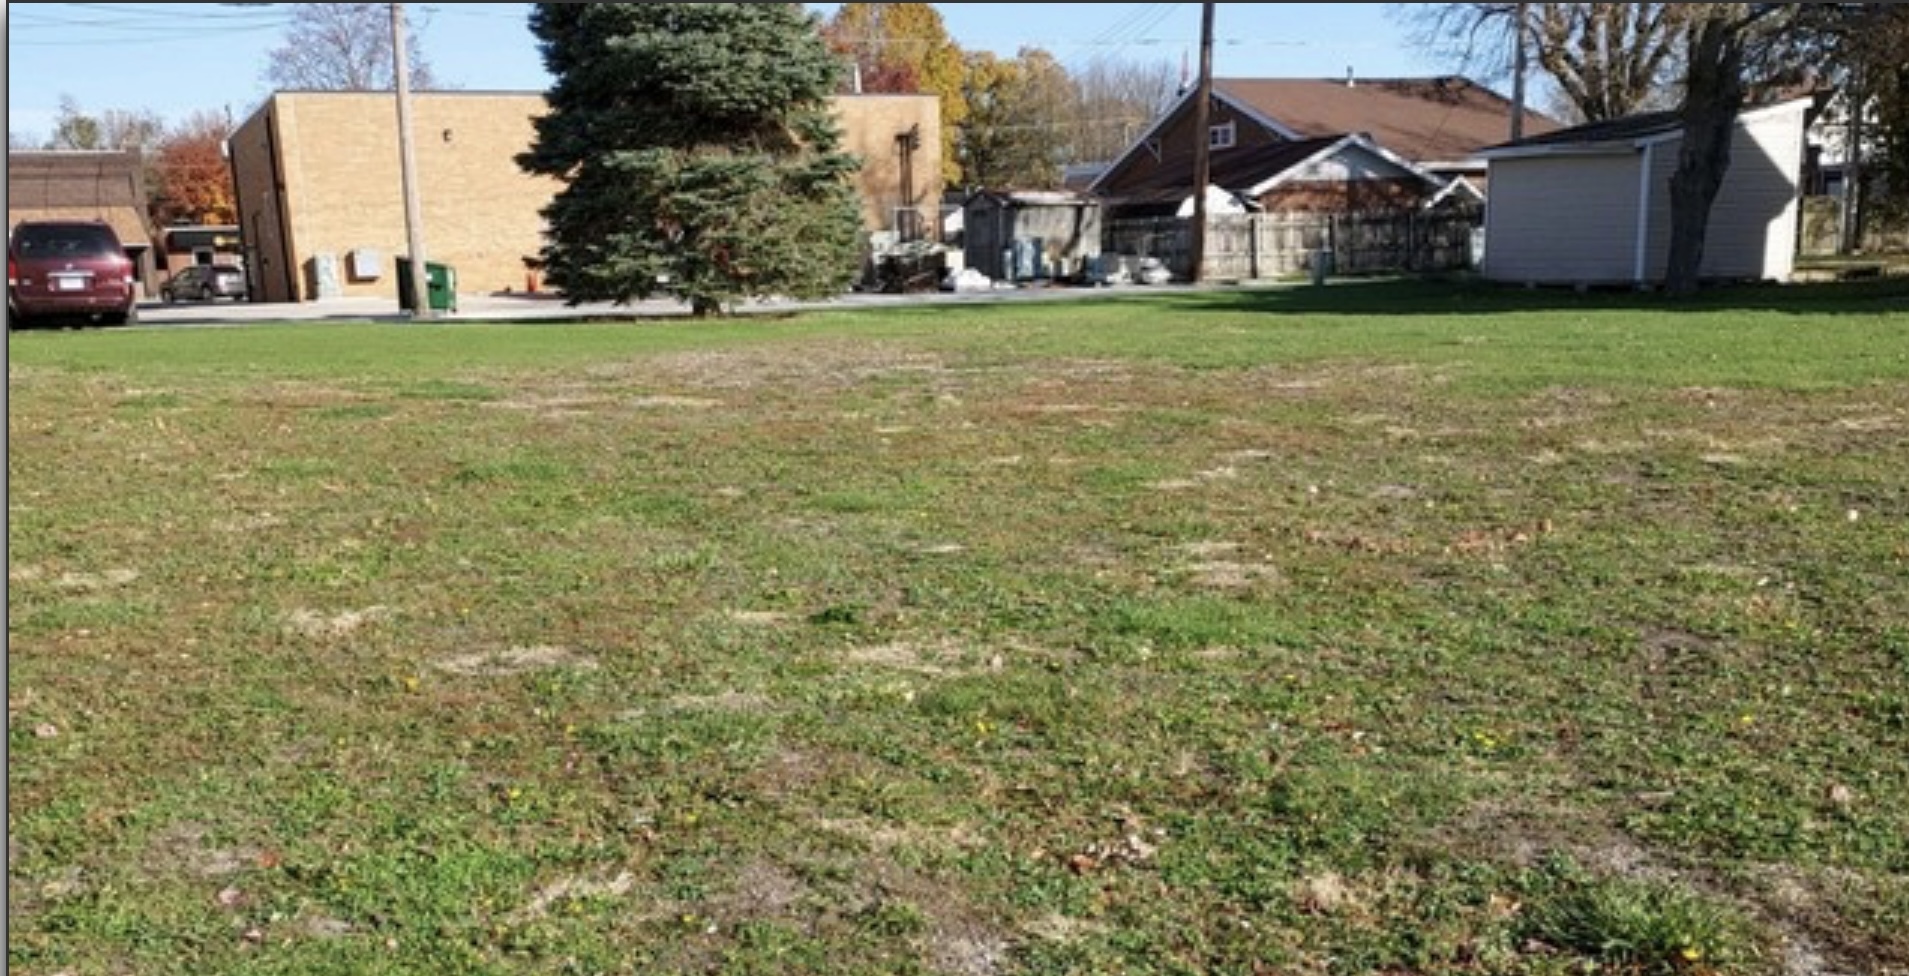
408,173
1202,143
1522,27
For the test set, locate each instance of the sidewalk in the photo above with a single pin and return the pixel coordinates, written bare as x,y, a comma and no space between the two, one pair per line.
526,307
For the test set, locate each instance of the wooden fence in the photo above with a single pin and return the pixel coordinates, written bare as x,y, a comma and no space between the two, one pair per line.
1263,246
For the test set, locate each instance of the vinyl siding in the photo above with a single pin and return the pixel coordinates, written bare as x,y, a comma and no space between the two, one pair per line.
1753,227
1562,220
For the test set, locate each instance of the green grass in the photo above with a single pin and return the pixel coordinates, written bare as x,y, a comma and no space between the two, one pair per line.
1381,628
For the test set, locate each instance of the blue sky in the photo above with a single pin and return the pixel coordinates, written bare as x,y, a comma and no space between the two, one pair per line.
175,59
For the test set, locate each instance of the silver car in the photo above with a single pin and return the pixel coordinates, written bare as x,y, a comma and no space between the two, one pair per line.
205,282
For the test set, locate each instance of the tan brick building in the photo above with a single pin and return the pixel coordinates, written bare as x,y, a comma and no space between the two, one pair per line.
321,204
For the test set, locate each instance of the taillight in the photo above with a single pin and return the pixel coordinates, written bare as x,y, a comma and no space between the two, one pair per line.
13,271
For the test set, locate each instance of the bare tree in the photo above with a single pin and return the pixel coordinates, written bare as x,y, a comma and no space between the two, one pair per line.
1611,59
1607,59
113,129
1116,102
343,47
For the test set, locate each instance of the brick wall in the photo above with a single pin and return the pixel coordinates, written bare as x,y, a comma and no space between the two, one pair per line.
319,179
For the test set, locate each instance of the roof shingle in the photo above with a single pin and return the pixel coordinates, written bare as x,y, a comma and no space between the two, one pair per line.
1426,120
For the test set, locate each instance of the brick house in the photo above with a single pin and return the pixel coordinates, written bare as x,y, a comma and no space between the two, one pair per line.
321,205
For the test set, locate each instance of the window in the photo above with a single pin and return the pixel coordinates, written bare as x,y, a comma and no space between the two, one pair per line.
1223,136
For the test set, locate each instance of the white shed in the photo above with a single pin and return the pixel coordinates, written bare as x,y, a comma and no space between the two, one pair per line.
1591,205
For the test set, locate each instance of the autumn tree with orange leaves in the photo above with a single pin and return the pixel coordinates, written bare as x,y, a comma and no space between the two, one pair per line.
194,180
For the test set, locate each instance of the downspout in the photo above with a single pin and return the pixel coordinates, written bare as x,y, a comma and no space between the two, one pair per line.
1640,273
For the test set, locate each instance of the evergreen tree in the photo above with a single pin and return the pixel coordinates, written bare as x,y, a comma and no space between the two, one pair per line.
698,153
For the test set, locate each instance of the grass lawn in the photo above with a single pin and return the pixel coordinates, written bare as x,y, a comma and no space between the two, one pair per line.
1374,629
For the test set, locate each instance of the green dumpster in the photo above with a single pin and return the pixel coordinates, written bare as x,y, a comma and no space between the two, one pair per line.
440,286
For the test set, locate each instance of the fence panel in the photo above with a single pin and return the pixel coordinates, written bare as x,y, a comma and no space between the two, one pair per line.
1261,246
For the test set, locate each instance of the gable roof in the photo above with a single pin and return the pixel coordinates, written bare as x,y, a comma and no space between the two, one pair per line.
1258,171
1427,120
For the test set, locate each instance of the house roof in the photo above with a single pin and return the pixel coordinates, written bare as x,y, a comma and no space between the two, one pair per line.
1627,130
1256,171
1427,120
1235,170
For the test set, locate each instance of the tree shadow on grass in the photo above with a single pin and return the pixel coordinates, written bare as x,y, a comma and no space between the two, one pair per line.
1459,296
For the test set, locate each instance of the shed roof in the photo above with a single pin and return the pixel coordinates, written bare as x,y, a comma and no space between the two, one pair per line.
1622,134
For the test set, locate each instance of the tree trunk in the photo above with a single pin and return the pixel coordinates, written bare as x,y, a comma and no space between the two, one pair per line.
1714,96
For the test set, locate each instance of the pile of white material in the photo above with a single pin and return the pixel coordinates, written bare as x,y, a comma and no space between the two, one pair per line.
967,280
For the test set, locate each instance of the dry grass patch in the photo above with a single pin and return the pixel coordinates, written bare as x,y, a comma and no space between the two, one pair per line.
515,661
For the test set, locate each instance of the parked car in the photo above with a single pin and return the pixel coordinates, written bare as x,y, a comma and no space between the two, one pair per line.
69,269
205,282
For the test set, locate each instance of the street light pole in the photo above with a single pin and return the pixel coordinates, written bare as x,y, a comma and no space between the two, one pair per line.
408,164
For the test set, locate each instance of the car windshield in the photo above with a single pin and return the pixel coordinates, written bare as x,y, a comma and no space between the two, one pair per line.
64,241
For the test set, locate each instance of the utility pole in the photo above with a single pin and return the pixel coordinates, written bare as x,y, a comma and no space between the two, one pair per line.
408,164
1202,143
1856,101
1522,11
407,160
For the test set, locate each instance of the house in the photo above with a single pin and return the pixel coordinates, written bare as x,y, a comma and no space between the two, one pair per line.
73,185
1591,205
1436,125
1342,174
1273,208
1028,235
183,246
321,207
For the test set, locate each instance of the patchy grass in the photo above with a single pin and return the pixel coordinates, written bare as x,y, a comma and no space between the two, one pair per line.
1370,629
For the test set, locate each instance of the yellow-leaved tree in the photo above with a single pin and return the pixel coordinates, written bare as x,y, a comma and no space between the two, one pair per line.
904,48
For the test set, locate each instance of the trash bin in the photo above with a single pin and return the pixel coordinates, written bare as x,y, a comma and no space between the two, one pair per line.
440,286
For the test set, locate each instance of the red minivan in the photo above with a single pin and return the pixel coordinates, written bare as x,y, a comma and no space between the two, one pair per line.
69,269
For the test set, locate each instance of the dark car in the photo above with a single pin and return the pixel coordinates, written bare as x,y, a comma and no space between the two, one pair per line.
69,269
205,282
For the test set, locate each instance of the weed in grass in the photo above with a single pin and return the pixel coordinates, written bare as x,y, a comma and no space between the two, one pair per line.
1648,927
